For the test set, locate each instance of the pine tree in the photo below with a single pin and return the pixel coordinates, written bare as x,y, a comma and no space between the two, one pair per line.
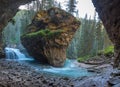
89,39
71,6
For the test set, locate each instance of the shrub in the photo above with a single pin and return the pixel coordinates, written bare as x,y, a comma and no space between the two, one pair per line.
84,58
107,51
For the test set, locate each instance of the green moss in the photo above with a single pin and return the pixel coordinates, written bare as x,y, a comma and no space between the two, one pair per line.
46,33
52,34
84,58
107,51
40,33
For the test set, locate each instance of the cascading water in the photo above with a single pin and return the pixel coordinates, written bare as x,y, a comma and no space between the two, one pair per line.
70,69
13,53
10,54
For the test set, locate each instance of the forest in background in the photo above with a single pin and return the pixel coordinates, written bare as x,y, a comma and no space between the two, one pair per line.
88,40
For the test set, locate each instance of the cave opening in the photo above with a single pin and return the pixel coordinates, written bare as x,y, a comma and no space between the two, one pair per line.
111,22
15,73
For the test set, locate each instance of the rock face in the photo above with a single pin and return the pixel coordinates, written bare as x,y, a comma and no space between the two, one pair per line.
49,34
109,13
8,9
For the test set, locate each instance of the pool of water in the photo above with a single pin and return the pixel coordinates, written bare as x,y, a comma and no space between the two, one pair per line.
70,69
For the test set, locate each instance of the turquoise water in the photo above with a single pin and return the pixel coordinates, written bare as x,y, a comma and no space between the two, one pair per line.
15,54
70,69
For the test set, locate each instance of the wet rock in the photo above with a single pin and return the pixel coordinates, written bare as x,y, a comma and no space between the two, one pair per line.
115,73
94,70
114,81
49,35
117,85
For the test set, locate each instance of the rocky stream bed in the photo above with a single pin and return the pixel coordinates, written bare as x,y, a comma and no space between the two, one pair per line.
17,74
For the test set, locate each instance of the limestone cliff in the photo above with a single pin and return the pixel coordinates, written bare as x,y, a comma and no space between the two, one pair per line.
109,12
49,34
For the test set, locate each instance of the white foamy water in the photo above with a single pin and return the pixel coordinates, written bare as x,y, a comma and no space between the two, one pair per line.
70,69
13,53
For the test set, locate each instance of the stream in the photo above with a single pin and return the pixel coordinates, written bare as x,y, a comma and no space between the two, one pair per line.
70,69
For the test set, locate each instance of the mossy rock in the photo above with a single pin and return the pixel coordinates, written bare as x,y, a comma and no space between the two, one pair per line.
44,33
49,35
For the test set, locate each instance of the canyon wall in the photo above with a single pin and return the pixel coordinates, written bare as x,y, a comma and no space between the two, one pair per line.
109,13
8,8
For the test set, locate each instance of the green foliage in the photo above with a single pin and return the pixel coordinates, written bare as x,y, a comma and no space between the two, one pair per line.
107,51
84,58
17,27
46,33
71,6
89,39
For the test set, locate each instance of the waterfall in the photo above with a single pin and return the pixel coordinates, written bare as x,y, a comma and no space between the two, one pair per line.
70,69
13,53
10,54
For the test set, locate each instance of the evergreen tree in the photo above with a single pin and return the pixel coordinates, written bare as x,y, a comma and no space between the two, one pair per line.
46,4
71,6
89,39
12,32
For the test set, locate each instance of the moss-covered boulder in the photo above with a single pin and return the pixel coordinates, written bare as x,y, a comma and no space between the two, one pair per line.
49,34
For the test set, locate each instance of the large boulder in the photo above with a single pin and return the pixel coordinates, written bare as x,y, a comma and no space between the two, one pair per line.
49,34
